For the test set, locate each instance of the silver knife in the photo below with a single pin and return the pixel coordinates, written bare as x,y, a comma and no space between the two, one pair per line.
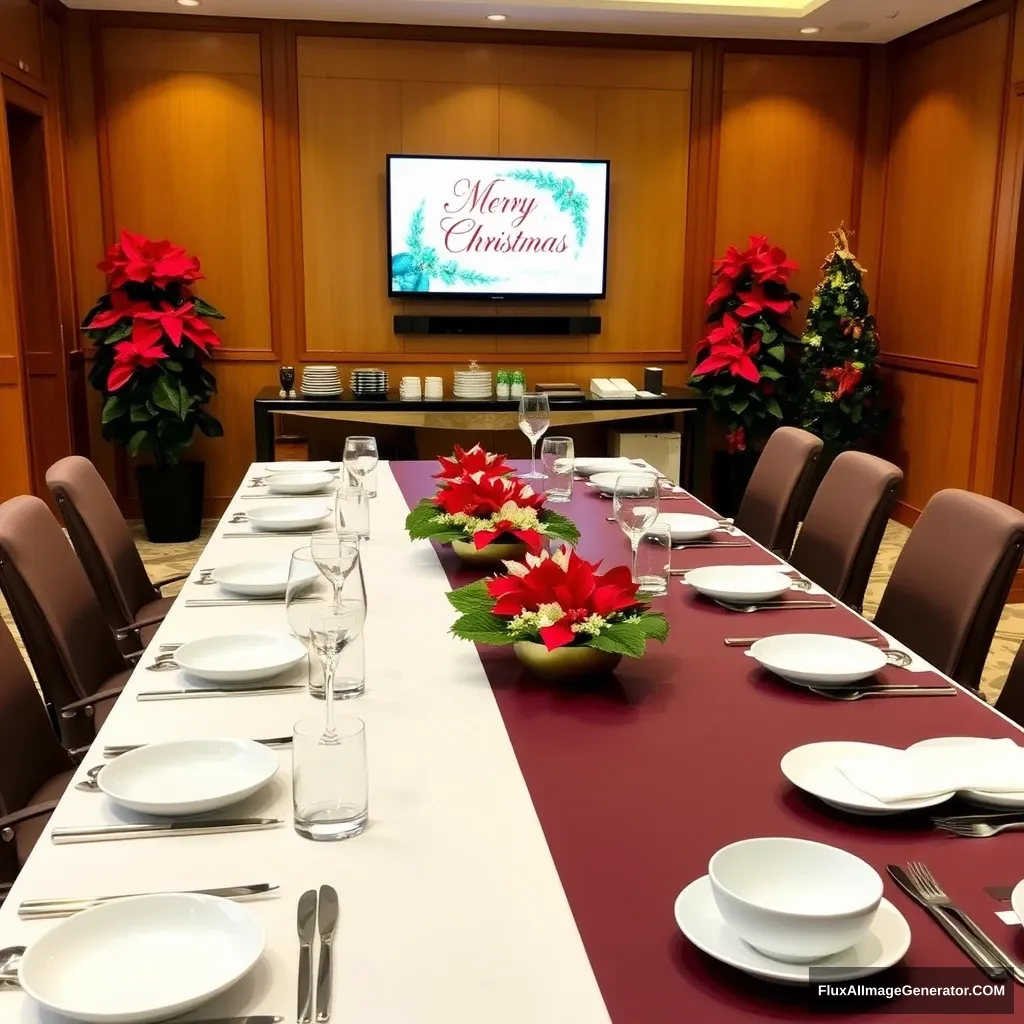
306,923
237,691
198,827
711,544
117,751
65,906
256,1018
328,919
957,932
268,533
196,602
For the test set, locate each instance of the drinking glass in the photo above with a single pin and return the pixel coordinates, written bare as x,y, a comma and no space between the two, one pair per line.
329,780
360,458
335,554
352,511
329,635
654,559
556,456
534,419
636,502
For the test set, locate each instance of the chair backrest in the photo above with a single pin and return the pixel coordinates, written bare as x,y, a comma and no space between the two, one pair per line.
102,539
843,528
1011,697
60,621
950,583
777,495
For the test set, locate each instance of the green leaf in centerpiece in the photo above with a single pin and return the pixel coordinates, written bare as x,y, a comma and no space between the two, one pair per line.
630,636
420,521
483,628
471,598
559,526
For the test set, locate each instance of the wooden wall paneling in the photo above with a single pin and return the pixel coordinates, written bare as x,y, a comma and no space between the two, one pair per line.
788,162
867,242
21,46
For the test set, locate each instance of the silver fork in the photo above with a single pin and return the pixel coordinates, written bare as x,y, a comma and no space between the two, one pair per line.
932,893
885,691
976,829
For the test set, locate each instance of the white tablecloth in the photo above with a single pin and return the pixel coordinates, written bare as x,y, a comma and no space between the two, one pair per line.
451,909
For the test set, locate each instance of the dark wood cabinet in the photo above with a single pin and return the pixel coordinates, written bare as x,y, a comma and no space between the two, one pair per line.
21,36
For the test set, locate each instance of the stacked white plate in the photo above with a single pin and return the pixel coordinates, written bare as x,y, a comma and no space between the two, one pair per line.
433,388
321,381
473,384
369,382
411,387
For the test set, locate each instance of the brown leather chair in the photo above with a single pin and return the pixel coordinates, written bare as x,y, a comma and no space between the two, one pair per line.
34,768
107,551
951,581
1011,698
779,489
843,528
76,658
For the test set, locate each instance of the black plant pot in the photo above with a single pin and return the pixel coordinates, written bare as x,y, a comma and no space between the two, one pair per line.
730,474
172,501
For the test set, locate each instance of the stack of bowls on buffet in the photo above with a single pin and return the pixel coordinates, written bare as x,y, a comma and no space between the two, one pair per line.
321,382
370,382
473,383
433,388
411,388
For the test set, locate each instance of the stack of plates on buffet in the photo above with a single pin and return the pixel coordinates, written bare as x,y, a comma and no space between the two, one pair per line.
473,384
370,382
321,382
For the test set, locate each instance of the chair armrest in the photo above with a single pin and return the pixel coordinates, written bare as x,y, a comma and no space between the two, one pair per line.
133,627
8,822
78,753
69,710
5,891
177,578
133,657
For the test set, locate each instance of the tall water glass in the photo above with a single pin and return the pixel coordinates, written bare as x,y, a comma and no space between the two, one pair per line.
534,419
654,559
360,458
636,501
556,457
330,784
352,511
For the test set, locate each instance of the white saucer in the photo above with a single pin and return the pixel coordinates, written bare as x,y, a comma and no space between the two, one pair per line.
812,768
699,920
976,796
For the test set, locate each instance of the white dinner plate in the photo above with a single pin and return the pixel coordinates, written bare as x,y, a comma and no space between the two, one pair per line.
887,940
188,776
812,768
977,796
240,657
142,959
256,579
738,584
605,482
588,467
683,526
302,467
300,515
817,659
299,483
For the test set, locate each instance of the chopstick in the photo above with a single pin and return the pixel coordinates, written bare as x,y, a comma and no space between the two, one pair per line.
748,641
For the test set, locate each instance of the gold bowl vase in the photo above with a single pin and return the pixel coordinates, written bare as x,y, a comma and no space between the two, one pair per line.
491,556
565,664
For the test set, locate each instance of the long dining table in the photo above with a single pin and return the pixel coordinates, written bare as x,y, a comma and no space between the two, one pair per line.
526,841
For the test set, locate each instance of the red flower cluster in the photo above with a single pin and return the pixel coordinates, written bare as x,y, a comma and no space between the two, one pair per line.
483,497
176,322
475,460
764,264
142,260
845,377
570,582
724,348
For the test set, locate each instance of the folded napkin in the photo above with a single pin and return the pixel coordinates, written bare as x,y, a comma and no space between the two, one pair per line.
995,766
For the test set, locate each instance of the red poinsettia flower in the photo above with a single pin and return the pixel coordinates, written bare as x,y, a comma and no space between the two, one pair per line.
563,583
727,350
139,259
495,498
473,460
757,300
845,377
732,265
771,264
121,307
176,322
130,356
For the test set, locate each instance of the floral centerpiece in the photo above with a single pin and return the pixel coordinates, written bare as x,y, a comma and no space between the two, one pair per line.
564,618
486,515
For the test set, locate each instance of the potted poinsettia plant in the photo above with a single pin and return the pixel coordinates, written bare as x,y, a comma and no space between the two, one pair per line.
485,513
152,341
564,619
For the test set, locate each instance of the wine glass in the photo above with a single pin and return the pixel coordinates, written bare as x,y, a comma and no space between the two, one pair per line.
360,458
329,635
335,554
636,502
534,419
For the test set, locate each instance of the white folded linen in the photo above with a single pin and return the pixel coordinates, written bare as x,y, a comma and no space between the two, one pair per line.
994,766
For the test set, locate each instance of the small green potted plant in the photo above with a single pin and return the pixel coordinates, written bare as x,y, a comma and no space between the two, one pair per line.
152,341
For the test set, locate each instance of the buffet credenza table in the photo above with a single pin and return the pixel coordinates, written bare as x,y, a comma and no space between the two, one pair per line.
525,844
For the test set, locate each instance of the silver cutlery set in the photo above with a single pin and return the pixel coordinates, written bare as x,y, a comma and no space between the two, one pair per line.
981,826
316,912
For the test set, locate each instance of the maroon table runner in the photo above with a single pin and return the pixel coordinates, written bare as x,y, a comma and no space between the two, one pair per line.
637,785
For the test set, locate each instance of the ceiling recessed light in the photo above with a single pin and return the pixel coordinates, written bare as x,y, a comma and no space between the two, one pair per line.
188,3
810,30
495,17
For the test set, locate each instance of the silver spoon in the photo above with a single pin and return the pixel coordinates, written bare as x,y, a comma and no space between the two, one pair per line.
90,784
163,663
10,958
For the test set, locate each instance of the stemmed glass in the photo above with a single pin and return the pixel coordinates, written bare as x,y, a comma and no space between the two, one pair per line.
534,419
329,635
636,502
335,554
360,458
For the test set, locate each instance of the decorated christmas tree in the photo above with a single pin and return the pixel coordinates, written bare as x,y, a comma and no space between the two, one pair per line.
839,366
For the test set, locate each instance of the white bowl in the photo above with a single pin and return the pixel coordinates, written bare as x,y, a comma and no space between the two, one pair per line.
792,899
256,579
605,482
188,776
738,583
688,527
297,516
238,658
299,483
818,659
142,959
276,468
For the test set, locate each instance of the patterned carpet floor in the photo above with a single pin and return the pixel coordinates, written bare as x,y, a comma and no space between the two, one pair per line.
164,560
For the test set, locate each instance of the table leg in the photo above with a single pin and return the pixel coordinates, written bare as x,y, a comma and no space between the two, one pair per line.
263,421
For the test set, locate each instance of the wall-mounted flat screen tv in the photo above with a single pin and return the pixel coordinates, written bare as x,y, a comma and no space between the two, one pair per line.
496,228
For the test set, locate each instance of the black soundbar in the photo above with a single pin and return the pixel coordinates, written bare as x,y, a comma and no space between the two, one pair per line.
549,325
